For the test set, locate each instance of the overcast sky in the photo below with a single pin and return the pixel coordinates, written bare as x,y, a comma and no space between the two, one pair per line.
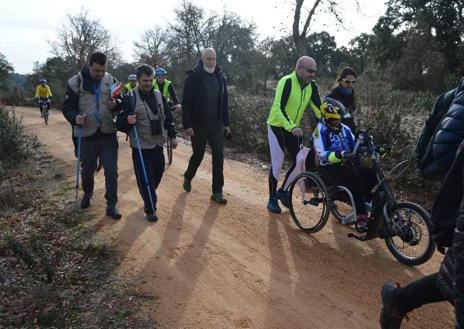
26,25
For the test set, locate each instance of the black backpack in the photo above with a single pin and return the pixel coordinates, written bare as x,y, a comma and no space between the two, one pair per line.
440,136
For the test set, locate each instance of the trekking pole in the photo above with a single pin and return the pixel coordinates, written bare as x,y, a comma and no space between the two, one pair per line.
79,139
143,167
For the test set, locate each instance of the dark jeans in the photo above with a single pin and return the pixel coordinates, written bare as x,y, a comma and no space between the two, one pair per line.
153,160
105,147
215,137
419,292
359,180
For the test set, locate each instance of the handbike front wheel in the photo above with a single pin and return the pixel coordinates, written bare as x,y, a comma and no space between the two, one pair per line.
410,239
309,206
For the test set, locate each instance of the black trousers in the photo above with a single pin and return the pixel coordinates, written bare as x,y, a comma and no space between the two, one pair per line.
106,147
420,292
213,135
359,180
153,160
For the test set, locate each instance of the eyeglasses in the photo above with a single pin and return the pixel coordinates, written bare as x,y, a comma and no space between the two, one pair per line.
349,81
310,71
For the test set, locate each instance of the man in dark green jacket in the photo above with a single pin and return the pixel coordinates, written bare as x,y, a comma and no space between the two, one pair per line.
205,118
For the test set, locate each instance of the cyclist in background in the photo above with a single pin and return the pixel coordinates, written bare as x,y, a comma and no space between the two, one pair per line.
131,84
43,94
166,88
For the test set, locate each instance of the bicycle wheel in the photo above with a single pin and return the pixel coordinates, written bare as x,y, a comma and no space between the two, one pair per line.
309,205
45,115
169,151
341,205
410,240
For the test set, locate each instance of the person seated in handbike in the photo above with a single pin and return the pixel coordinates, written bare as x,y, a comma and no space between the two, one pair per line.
334,143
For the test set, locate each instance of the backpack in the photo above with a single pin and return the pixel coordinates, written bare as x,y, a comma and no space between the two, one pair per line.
432,157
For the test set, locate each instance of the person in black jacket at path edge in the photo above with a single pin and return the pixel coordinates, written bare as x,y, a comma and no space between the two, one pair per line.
448,232
205,118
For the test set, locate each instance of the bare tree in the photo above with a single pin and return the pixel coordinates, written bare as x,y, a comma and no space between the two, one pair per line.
79,37
151,48
330,6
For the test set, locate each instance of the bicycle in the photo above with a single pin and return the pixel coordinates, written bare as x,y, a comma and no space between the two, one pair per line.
405,226
44,105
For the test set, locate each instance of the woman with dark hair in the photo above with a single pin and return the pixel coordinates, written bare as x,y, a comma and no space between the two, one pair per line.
343,92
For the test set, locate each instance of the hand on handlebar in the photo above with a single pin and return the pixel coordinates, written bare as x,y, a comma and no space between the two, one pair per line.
342,155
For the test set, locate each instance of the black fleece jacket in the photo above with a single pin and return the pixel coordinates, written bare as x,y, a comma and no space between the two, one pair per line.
196,110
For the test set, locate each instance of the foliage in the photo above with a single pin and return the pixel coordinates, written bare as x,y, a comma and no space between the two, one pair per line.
15,145
5,70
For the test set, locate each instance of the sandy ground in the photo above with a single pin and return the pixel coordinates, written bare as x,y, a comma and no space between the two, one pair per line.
238,266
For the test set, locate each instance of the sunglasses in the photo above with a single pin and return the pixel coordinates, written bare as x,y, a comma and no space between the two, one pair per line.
349,81
310,71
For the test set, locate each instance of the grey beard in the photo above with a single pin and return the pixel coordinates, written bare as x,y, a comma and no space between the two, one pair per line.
208,69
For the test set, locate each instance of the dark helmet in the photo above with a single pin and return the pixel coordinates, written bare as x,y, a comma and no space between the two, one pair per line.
43,81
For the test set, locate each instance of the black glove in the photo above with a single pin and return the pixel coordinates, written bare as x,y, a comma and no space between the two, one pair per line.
342,155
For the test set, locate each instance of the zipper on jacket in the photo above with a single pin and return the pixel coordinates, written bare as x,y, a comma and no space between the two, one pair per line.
301,101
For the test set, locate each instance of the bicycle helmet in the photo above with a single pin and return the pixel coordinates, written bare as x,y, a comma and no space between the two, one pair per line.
330,113
43,81
160,72
132,77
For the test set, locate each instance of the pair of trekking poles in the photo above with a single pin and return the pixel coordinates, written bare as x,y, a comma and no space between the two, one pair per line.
79,140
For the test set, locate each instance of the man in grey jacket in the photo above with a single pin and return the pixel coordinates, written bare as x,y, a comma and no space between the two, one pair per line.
143,108
88,106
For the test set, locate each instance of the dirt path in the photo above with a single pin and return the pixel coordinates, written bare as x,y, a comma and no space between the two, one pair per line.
238,266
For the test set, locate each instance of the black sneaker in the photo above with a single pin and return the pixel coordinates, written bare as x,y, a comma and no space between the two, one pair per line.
113,212
85,203
392,313
151,217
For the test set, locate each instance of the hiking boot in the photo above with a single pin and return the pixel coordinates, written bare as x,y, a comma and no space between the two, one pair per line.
392,313
187,185
282,196
113,212
273,206
218,197
363,221
85,202
151,217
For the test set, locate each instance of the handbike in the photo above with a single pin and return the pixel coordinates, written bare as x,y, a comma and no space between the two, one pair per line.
405,226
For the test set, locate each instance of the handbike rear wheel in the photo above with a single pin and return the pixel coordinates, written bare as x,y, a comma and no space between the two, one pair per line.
410,239
309,206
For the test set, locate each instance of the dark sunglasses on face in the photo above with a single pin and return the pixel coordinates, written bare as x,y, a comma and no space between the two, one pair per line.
349,81
310,71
